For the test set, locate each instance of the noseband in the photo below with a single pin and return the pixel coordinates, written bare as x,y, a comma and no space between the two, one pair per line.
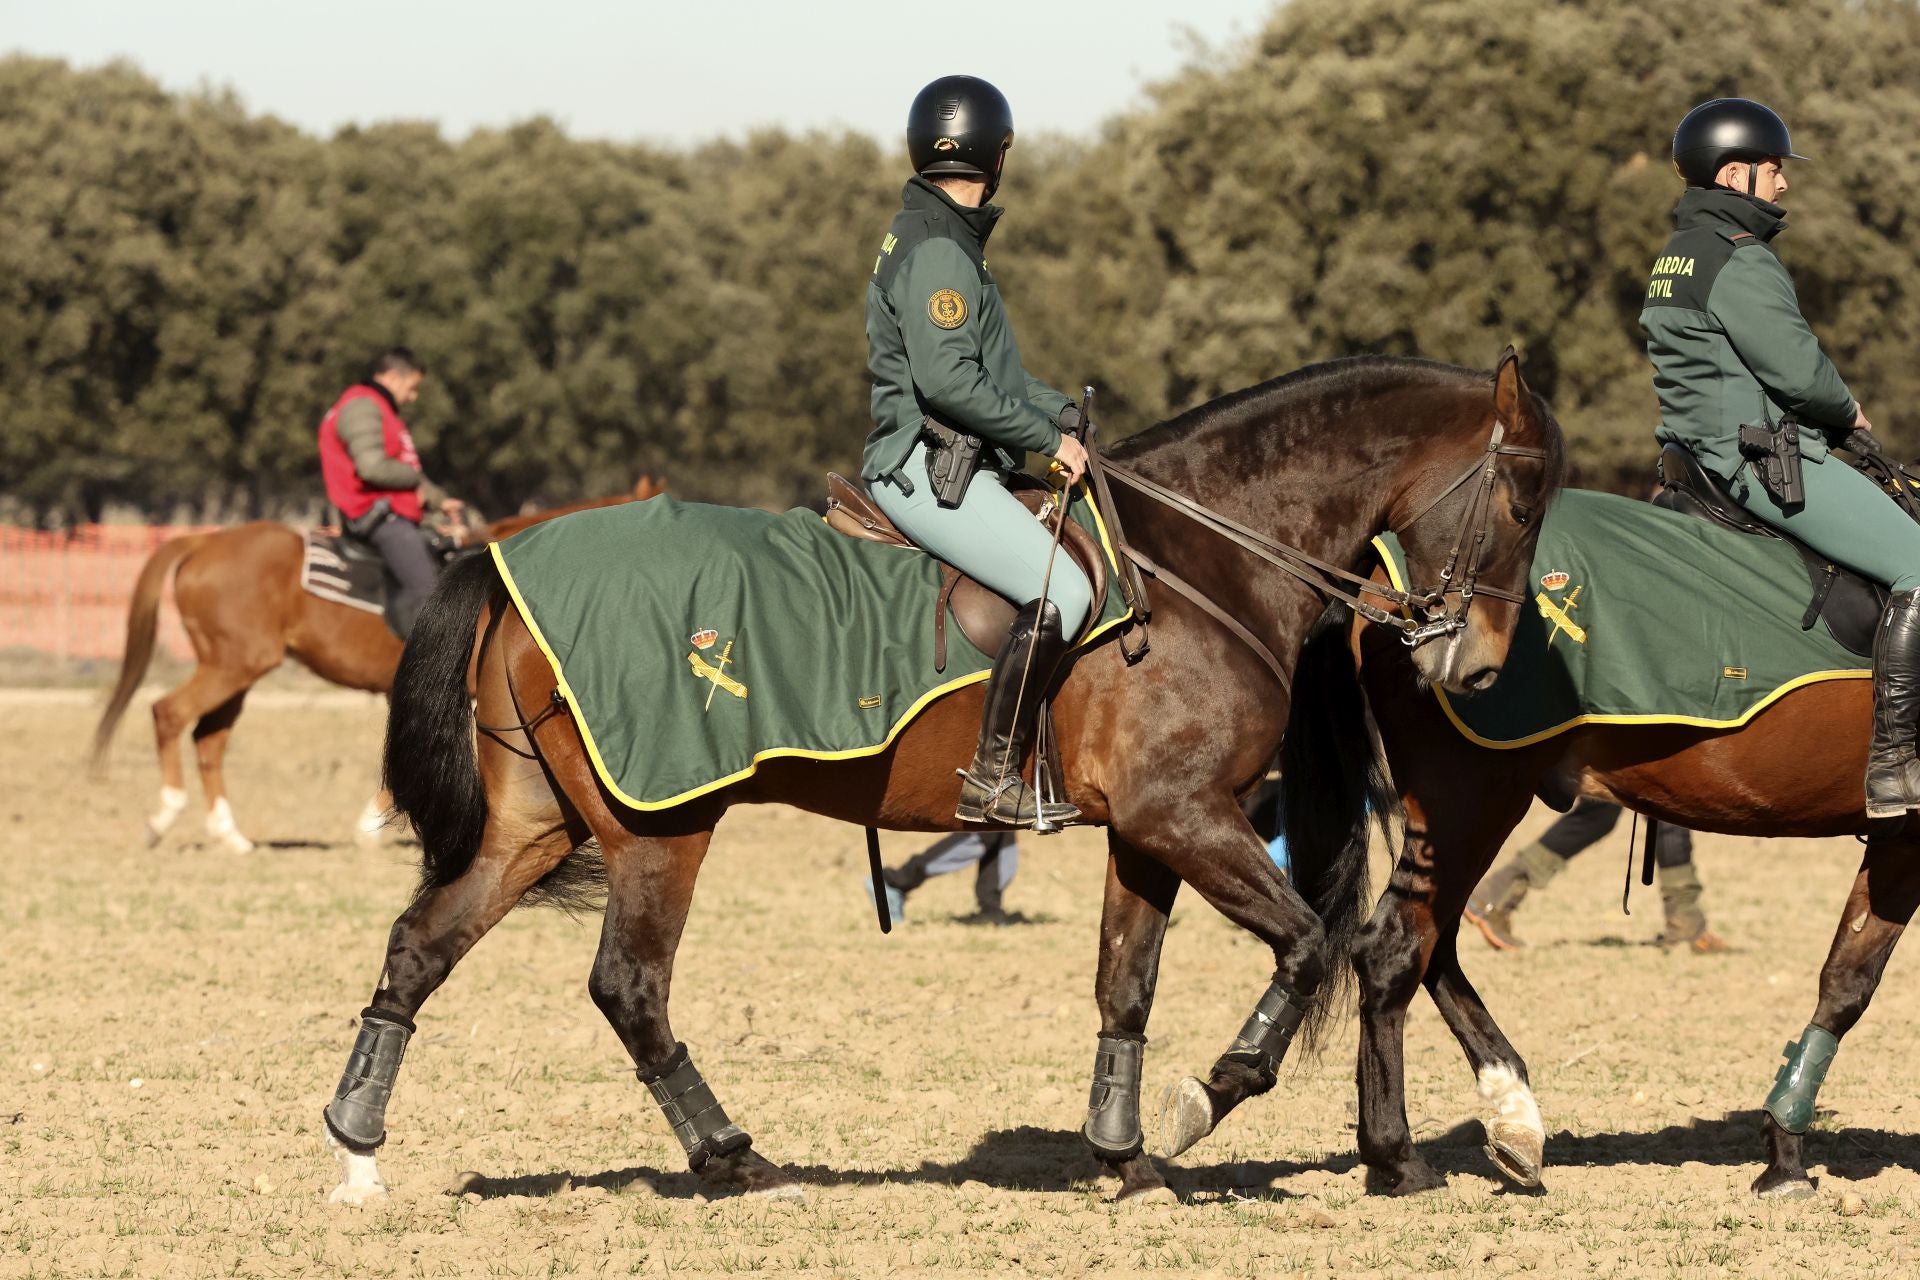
1425,615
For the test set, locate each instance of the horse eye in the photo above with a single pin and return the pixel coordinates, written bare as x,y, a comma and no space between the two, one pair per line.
1521,513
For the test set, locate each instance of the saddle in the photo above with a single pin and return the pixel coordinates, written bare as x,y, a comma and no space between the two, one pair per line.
982,615
347,570
1850,604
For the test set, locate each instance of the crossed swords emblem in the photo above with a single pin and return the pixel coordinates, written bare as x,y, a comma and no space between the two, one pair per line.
716,674
1560,616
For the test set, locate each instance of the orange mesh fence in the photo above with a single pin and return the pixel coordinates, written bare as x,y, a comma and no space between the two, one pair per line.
66,594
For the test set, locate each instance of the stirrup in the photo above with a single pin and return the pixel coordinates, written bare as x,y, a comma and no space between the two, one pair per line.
984,802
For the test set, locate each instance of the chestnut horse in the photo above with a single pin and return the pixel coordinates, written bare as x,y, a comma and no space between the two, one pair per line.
1462,800
1159,752
239,596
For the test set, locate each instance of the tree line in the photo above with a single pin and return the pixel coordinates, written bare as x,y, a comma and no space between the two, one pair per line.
185,286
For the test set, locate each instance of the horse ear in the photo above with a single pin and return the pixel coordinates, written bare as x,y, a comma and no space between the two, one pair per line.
1510,394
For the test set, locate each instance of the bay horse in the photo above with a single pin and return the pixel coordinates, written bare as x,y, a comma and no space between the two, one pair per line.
502,793
239,596
1461,801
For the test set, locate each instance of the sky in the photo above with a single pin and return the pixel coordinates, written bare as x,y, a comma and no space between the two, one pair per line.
642,70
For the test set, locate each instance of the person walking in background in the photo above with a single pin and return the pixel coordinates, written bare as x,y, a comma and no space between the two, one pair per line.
994,855
1500,894
374,479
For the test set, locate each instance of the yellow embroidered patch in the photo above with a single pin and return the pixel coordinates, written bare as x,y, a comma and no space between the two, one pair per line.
947,309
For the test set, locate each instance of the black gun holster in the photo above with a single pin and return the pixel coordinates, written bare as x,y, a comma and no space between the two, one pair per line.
364,525
1773,451
953,459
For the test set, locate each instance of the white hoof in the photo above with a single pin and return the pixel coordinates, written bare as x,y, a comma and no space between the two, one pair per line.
359,1176
1186,1118
1516,1137
223,829
785,1191
173,801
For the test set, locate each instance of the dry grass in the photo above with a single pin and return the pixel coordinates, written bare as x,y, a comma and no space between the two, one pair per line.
173,1020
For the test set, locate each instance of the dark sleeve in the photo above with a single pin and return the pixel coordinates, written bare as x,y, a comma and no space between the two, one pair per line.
366,440
945,361
1754,301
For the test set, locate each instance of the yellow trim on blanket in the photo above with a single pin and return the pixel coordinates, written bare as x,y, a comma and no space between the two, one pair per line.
803,753
1698,722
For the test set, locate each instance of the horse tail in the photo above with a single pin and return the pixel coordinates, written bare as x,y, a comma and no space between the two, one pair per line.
1332,774
143,621
430,766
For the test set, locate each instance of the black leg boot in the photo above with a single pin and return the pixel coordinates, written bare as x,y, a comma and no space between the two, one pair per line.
1893,771
991,789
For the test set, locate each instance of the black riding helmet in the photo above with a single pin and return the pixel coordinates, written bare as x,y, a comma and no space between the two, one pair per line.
1728,129
960,126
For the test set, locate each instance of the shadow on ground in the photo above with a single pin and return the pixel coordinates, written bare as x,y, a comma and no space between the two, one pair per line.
1034,1159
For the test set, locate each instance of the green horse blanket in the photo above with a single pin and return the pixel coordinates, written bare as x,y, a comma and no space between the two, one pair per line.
692,642
1644,616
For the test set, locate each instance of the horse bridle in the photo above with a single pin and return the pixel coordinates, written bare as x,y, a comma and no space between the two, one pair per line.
1425,615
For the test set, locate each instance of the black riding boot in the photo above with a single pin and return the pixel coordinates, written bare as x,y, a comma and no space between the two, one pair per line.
991,790
1893,771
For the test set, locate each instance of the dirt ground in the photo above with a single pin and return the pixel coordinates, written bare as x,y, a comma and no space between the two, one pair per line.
173,1020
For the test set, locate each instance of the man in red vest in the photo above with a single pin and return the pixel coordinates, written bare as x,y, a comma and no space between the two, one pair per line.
373,477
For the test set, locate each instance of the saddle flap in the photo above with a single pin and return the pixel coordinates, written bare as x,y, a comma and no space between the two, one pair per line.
852,512
982,615
1692,490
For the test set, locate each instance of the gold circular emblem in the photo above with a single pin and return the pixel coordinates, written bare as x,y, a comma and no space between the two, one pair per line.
947,309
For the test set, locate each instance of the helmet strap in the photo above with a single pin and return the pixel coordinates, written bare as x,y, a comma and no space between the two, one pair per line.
1753,176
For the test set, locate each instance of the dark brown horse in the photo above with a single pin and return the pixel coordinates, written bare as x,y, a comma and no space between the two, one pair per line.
239,596
1461,801
1159,752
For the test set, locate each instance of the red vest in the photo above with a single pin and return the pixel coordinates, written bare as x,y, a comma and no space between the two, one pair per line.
345,489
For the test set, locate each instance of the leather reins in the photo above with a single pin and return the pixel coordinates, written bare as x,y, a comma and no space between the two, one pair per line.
1432,620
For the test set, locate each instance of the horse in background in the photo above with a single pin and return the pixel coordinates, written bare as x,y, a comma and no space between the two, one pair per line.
240,599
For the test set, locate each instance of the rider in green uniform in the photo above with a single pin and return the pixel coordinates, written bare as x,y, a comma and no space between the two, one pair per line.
943,357
1730,348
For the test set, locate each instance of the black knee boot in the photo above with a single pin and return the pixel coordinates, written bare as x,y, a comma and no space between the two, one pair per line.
991,790
1893,771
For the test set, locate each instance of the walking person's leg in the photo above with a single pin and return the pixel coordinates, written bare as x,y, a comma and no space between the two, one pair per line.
1680,894
1494,900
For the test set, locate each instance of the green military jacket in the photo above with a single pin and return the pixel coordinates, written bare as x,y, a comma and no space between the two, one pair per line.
1726,337
939,343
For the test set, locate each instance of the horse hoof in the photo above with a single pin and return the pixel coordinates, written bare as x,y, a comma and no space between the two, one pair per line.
359,1176
1410,1180
781,1191
1774,1186
750,1173
1186,1116
1517,1152
1148,1197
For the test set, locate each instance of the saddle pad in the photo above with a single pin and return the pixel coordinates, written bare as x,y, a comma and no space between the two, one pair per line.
326,573
1645,616
692,641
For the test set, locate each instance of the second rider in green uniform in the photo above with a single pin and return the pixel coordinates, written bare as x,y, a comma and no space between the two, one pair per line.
1730,348
942,353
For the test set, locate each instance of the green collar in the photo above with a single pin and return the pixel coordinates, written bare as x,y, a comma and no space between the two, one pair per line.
922,196
1706,207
